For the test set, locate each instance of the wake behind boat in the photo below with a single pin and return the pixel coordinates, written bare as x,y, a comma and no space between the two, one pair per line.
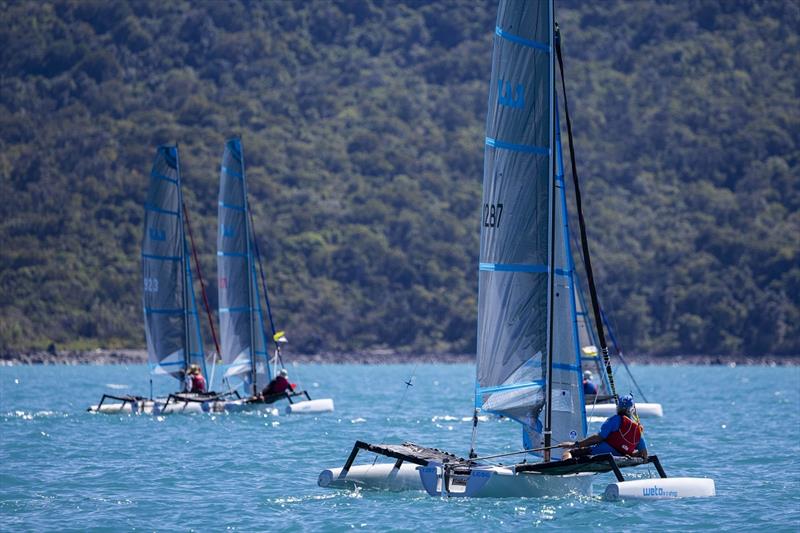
528,354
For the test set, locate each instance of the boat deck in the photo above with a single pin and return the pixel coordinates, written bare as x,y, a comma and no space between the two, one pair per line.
421,455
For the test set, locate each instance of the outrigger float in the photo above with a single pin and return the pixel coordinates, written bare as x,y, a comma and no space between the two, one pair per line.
189,403
440,473
528,353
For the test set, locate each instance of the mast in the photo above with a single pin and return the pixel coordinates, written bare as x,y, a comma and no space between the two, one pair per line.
250,272
551,271
184,295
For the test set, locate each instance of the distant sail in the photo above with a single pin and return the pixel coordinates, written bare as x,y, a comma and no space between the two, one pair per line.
515,229
172,325
243,340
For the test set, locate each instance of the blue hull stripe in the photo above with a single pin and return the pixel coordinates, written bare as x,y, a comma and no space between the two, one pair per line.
231,206
155,209
521,40
162,257
231,254
230,172
527,148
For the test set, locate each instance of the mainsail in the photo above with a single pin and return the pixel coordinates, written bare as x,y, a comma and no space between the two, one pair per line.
517,231
172,325
243,340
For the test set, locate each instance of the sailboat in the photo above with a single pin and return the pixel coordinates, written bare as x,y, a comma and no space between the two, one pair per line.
601,405
244,341
172,323
528,356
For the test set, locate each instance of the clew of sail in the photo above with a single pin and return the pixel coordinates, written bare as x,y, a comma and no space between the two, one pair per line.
242,336
172,325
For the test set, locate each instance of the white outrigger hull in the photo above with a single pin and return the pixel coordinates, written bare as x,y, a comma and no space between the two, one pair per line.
160,407
661,489
645,410
501,482
380,476
310,407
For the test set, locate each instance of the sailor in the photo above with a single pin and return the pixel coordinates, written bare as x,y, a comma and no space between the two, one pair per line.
195,380
588,386
619,435
279,385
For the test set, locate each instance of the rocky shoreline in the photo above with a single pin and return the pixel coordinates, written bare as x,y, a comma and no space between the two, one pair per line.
372,357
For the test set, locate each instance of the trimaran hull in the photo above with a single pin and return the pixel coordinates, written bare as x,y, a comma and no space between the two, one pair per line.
486,482
645,410
160,406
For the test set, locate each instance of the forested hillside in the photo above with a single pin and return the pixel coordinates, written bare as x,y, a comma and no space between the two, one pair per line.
362,123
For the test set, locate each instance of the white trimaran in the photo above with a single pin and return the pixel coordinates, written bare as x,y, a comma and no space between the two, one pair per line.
172,325
528,353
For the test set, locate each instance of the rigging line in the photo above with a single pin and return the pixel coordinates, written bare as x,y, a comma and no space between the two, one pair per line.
581,222
202,280
184,267
264,284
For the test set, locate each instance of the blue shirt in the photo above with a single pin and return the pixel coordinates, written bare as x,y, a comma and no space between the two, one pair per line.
589,387
610,426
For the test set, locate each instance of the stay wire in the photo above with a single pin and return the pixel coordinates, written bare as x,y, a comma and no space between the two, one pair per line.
582,224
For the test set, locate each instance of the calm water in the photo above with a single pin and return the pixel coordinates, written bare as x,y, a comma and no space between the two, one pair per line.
62,468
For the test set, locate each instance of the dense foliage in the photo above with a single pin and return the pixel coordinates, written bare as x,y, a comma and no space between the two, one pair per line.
362,123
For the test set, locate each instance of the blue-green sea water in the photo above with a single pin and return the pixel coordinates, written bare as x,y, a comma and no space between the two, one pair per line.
62,468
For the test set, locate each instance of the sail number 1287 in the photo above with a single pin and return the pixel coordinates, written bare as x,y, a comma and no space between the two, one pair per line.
492,214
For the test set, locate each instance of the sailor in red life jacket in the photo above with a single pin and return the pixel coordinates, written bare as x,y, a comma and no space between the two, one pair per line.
619,435
278,385
195,380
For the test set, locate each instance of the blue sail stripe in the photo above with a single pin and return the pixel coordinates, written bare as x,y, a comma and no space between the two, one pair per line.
234,309
564,272
162,311
155,209
231,206
231,172
530,43
156,175
162,257
512,267
231,254
501,388
175,363
566,366
527,148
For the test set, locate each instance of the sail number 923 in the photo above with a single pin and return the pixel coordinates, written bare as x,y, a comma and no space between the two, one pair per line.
492,214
